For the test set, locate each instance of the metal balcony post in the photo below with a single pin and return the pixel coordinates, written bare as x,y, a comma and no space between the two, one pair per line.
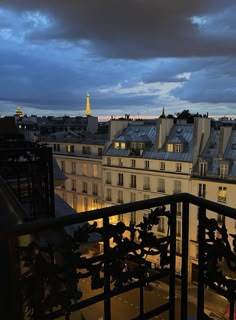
172,261
184,269
201,254
107,300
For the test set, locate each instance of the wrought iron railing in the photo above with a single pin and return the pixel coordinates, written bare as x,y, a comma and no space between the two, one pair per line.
43,270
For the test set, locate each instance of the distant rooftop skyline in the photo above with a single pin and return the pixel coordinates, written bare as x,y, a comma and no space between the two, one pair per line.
132,56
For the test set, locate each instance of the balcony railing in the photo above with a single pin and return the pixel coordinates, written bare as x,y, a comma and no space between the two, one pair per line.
40,274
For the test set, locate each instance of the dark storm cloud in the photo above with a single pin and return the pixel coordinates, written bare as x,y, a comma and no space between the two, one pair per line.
137,28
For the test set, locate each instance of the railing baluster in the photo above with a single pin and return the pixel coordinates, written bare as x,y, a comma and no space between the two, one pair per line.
201,255
141,304
172,261
184,269
107,300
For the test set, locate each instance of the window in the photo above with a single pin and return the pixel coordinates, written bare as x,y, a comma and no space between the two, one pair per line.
179,209
133,163
202,190
161,185
120,163
95,189
63,166
86,150
73,185
178,167
122,145
221,219
116,145
108,195
69,148
223,170
132,196
132,181
202,169
108,161
99,151
178,147
74,202
147,164
161,225
85,204
170,147
177,186
222,194
56,147
146,197
178,228
73,168
108,177
120,179
84,169
162,166
120,196
95,170
84,187
146,183
94,204
178,247
133,218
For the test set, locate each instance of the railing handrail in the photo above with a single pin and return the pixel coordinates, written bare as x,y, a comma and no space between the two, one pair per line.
31,227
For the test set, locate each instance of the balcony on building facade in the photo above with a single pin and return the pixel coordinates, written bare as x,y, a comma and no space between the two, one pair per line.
45,266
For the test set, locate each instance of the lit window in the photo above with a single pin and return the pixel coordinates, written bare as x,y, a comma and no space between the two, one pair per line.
202,190
74,202
122,145
222,193
178,167
162,166
69,148
94,204
170,147
161,185
116,145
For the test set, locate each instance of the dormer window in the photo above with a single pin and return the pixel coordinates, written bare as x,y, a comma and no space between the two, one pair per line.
174,147
223,170
69,148
202,169
119,145
170,147
116,145
178,147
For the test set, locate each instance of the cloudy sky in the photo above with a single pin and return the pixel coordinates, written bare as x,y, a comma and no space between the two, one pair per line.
132,56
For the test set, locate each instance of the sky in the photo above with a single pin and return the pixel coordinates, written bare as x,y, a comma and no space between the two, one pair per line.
131,56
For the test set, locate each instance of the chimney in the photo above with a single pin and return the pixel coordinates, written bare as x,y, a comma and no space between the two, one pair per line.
116,127
163,128
201,134
224,136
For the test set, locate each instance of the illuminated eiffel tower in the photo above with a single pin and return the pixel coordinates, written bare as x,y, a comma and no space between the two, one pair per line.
88,109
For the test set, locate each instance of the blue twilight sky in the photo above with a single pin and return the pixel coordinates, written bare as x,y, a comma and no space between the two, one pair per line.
132,56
